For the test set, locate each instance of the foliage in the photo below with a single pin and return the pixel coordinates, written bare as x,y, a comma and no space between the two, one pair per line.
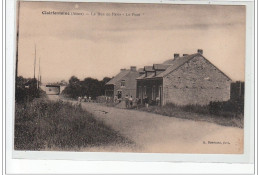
234,106
43,124
223,113
89,87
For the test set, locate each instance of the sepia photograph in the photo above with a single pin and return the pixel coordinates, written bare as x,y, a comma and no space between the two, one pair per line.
129,77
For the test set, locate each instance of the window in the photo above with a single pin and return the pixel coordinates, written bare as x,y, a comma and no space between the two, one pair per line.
123,83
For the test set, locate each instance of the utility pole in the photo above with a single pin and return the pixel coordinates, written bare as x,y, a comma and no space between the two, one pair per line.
35,84
39,74
34,61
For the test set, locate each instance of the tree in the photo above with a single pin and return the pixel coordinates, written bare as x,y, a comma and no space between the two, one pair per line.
103,83
89,87
73,89
74,80
26,89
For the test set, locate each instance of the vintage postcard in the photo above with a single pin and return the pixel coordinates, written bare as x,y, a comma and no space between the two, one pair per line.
130,77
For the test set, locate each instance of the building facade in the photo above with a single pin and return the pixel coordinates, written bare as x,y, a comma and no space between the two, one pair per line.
124,83
183,80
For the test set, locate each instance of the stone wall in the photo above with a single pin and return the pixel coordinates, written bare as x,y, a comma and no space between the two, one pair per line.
130,85
196,82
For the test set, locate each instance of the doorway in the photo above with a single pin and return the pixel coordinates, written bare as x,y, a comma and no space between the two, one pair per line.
119,94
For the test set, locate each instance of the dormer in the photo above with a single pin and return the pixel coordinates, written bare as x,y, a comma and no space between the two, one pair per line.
159,68
148,70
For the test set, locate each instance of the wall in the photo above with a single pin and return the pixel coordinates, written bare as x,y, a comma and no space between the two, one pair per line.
196,82
130,84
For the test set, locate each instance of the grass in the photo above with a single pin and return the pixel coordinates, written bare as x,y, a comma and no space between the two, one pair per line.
198,113
48,125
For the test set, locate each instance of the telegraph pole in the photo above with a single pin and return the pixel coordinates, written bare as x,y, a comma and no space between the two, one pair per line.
34,61
39,73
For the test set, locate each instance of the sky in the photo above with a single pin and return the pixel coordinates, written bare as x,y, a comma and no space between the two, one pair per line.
96,46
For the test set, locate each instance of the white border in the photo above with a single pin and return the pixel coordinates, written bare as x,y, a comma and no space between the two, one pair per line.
66,166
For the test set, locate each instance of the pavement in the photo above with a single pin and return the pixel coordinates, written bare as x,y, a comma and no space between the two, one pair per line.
155,133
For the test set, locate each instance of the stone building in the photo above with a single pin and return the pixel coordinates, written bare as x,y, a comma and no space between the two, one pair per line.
183,80
124,83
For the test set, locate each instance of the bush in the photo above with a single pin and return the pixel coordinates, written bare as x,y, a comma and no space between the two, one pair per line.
226,106
43,124
26,90
223,113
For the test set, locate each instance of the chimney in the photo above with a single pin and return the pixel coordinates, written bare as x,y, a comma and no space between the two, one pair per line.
185,54
176,55
200,51
122,69
133,68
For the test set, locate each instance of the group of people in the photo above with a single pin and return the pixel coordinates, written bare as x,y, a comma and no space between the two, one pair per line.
147,101
128,101
84,99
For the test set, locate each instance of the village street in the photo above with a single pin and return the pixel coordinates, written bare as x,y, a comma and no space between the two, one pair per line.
157,133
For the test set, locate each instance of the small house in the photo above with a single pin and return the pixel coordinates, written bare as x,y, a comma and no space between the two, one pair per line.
183,80
124,83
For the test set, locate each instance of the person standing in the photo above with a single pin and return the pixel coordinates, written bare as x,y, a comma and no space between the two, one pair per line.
158,101
79,99
126,101
146,101
115,99
131,101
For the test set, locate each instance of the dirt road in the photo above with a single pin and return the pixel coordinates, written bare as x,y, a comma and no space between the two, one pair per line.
157,133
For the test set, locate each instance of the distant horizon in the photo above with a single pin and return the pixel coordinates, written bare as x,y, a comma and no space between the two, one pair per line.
91,44
67,80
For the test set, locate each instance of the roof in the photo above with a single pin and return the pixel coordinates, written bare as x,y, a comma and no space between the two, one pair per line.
140,70
141,77
173,64
151,76
176,63
118,77
144,77
161,66
148,68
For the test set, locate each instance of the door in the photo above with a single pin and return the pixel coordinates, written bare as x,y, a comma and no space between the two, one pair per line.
119,94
